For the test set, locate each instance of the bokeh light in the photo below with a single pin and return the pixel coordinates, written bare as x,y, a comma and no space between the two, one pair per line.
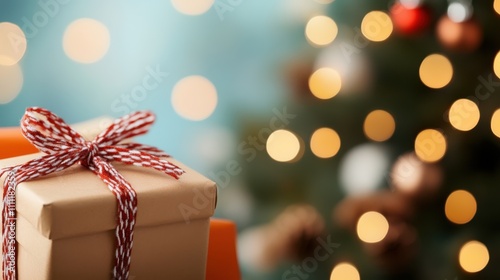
372,227
284,146
459,12
86,40
379,125
430,145
496,6
12,43
325,142
460,207
436,71
464,114
344,271
364,168
194,98
321,30
192,7
495,123
496,64
376,26
11,82
325,83
473,256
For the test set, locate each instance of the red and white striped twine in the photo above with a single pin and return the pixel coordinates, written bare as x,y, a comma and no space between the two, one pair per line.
64,147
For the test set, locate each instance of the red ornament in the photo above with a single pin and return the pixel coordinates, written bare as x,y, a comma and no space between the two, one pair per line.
410,21
463,36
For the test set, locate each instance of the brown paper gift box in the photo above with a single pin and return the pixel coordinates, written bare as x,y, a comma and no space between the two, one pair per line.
66,224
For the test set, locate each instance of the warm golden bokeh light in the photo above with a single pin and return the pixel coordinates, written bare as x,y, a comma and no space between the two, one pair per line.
379,125
325,142
460,207
321,30
372,227
376,26
495,123
86,40
430,145
12,43
11,82
192,7
344,271
325,83
464,114
496,6
436,71
473,256
496,65
284,146
194,98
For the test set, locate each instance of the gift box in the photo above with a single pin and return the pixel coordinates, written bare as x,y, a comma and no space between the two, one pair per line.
66,224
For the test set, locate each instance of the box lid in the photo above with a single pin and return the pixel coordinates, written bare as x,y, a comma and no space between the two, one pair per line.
76,202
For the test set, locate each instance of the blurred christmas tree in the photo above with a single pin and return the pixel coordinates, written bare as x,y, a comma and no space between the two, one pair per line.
391,131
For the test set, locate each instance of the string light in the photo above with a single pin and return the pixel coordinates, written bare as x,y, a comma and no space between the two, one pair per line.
460,207
86,40
194,98
11,82
459,11
344,271
321,30
12,43
325,142
379,125
464,114
473,256
284,146
376,26
496,65
325,83
430,145
495,123
436,71
372,227
192,8
496,6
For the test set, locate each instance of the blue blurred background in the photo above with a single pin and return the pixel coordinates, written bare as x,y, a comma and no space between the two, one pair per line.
240,49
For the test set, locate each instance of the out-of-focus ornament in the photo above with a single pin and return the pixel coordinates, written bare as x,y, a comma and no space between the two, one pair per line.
458,30
297,73
390,204
292,236
414,178
397,250
410,17
398,246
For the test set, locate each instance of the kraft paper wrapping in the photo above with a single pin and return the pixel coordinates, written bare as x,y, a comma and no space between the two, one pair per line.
66,224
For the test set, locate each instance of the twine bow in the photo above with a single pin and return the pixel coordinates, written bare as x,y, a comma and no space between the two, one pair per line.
63,148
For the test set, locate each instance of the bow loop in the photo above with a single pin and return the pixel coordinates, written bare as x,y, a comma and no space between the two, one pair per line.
64,147
126,127
48,132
